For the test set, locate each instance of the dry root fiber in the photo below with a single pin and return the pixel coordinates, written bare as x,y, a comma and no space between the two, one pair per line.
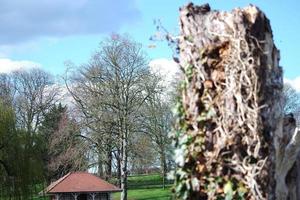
231,105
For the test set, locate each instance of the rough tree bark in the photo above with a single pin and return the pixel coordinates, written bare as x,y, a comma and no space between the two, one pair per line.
124,162
287,145
230,137
109,158
163,165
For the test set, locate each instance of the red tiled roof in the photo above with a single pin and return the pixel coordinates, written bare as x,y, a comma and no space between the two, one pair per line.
81,182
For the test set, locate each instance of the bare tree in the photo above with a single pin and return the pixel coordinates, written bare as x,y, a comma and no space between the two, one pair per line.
96,117
142,154
110,91
291,101
34,94
6,89
157,119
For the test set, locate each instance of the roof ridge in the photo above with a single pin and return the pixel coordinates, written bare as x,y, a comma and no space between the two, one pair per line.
55,183
81,181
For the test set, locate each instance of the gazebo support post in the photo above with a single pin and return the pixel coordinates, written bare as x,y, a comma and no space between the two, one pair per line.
93,195
57,196
75,195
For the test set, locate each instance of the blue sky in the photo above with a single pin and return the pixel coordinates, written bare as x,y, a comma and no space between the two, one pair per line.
49,32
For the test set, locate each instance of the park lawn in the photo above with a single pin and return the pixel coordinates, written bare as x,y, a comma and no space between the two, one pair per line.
146,194
146,187
147,181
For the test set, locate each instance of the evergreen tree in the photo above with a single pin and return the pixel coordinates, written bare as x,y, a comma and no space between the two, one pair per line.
61,150
46,130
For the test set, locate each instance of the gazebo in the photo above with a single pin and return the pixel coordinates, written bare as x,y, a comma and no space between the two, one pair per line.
81,186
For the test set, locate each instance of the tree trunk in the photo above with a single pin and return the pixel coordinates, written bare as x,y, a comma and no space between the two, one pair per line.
287,145
100,165
124,166
163,165
119,168
108,162
231,109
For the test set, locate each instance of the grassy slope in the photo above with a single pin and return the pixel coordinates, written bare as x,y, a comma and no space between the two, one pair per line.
146,187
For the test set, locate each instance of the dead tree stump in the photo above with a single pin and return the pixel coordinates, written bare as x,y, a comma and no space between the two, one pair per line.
229,139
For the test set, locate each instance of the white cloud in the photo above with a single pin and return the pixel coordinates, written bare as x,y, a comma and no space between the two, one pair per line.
295,83
8,65
167,69
169,72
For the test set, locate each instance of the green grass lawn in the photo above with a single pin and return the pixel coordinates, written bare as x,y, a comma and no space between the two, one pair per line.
146,181
146,187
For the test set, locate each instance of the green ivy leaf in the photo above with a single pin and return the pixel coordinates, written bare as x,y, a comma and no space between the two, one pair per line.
241,191
228,190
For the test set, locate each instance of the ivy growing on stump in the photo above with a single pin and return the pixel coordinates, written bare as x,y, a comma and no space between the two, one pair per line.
229,134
